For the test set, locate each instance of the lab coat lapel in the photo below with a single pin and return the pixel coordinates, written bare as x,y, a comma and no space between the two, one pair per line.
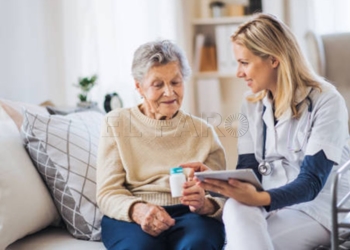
286,116
268,114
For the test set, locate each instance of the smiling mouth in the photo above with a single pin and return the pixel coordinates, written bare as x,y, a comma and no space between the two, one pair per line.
169,102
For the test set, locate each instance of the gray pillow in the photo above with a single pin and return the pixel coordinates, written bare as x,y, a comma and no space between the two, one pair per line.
64,150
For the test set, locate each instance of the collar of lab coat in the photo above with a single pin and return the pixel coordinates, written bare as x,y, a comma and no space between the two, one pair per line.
268,116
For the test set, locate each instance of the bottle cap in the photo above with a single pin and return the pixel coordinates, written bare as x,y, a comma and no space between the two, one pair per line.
177,170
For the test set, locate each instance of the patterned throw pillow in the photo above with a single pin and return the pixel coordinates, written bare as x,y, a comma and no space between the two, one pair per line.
64,150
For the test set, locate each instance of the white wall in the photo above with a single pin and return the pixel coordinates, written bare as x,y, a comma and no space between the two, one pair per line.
296,14
299,20
33,46
29,66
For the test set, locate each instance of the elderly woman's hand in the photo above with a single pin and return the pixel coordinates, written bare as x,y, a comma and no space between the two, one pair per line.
152,219
194,197
195,167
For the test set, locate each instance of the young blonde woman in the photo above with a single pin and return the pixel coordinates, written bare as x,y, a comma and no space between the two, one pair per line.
297,139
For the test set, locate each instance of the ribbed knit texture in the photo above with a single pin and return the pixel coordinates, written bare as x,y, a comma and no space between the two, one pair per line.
136,154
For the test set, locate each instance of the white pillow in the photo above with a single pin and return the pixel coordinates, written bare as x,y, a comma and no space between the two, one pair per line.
25,203
64,150
15,109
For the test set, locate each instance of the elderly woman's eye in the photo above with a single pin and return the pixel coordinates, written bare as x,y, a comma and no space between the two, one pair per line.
175,82
158,84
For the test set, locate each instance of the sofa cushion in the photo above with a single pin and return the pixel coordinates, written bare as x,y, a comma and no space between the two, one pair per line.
54,239
15,110
25,203
64,150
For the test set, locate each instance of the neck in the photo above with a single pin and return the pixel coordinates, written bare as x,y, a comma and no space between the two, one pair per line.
156,116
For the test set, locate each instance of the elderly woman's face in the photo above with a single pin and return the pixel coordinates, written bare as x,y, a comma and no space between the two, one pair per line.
162,90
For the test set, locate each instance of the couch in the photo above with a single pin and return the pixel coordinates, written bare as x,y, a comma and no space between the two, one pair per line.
329,55
43,203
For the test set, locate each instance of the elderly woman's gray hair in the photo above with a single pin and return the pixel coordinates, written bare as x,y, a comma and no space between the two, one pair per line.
158,53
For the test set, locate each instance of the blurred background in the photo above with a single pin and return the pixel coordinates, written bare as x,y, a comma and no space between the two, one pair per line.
47,45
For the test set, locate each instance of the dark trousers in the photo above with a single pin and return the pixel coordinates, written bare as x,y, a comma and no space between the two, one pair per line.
191,231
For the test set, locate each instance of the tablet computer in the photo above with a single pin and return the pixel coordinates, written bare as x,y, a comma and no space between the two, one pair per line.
247,175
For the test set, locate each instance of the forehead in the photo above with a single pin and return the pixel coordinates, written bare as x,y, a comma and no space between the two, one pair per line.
166,70
241,51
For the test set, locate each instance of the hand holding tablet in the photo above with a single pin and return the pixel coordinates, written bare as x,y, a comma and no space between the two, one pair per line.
246,175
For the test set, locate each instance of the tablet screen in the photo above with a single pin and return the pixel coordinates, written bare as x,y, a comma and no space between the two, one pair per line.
247,175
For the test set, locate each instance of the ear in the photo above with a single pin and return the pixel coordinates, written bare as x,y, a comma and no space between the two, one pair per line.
138,87
274,62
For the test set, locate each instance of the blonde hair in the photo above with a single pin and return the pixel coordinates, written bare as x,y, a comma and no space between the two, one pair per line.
267,36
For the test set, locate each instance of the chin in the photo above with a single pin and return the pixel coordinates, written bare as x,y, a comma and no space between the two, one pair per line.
170,113
255,91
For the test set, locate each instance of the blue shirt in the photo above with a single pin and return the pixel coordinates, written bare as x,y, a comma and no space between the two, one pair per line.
314,172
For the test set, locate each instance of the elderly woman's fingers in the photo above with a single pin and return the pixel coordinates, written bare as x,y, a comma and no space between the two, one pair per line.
196,166
160,222
191,187
189,172
152,219
193,196
163,219
190,183
192,200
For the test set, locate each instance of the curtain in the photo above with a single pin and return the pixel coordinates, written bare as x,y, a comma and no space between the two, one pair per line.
100,37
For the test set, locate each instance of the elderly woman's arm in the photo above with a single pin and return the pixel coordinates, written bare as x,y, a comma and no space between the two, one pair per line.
113,199
194,196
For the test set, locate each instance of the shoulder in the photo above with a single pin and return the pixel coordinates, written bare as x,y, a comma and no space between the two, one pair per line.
195,120
199,123
117,114
328,95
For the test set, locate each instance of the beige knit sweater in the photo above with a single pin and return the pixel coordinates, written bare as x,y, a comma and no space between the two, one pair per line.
136,153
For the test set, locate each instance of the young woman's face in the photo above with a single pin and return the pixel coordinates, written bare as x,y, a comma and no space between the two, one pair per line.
162,90
259,73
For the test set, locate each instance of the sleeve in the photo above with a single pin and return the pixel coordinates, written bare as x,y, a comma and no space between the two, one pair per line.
314,172
216,161
249,161
329,127
113,199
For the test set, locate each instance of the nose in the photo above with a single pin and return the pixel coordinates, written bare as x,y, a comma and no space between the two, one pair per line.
168,90
239,72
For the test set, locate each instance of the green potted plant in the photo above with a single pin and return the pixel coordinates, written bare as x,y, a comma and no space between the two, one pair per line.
85,84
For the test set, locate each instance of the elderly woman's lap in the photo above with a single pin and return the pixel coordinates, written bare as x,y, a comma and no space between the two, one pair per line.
191,231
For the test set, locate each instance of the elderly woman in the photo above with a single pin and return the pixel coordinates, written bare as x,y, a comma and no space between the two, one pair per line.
139,146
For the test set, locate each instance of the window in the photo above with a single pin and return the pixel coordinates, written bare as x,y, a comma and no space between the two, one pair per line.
101,37
331,16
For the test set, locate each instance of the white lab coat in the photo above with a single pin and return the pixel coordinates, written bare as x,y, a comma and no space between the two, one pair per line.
325,128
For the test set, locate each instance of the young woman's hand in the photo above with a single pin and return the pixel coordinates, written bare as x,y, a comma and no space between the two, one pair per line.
153,219
243,192
194,197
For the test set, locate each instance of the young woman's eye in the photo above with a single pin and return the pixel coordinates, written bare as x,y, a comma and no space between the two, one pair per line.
244,63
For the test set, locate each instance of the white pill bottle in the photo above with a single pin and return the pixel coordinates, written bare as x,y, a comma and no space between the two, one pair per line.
177,179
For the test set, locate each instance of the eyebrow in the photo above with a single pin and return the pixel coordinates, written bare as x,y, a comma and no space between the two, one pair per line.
178,75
